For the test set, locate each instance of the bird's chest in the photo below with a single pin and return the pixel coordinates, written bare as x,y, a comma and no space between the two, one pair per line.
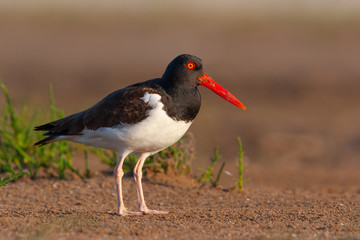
157,131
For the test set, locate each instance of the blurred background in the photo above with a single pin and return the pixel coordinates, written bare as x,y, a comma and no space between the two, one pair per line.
294,64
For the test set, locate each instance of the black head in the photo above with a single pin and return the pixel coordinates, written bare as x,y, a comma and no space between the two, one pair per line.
186,72
183,71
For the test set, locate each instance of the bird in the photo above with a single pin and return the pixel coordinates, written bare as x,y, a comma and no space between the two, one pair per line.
141,119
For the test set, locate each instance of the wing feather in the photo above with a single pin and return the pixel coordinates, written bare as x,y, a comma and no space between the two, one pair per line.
123,106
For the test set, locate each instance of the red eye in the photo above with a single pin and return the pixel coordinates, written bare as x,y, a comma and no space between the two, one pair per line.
190,65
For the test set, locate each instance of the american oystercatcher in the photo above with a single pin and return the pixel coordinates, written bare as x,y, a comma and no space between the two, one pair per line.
141,119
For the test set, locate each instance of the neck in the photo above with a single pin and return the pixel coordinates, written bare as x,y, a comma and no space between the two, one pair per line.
182,104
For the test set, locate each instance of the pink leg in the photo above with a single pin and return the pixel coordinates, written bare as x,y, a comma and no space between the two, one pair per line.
138,175
119,173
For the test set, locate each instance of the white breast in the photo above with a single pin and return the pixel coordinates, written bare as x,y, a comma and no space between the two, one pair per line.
156,132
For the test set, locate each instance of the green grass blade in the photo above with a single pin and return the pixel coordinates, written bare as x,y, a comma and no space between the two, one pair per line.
218,175
240,166
87,166
12,177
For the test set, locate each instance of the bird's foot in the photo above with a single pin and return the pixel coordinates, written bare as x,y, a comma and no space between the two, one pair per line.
125,212
148,211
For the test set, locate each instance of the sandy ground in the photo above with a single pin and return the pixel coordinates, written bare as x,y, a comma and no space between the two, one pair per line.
277,203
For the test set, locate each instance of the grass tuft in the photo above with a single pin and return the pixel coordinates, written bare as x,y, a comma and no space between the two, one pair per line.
12,177
176,158
16,135
240,180
17,153
208,173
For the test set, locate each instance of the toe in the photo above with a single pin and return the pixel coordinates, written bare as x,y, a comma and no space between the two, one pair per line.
149,211
130,213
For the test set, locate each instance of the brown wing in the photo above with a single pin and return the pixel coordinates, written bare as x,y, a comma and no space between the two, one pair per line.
123,106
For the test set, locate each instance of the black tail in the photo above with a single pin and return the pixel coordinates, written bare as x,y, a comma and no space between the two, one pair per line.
46,127
45,141
71,125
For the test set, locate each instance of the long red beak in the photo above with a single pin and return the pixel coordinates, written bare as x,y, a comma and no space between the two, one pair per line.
206,81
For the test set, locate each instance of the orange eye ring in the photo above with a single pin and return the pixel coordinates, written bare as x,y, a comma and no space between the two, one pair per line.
190,65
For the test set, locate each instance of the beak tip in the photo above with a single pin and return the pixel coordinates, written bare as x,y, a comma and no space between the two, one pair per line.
240,105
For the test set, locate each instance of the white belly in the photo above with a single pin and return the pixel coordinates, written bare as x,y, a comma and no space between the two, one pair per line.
156,132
